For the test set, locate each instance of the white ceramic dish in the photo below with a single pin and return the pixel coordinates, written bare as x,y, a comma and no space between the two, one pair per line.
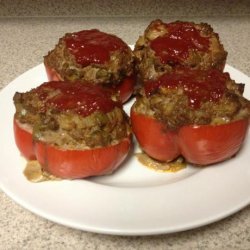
134,200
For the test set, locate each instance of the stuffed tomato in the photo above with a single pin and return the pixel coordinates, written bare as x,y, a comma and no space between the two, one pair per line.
93,56
200,115
78,130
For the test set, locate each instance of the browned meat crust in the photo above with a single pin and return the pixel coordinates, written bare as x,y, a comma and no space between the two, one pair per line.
171,105
119,66
66,128
149,66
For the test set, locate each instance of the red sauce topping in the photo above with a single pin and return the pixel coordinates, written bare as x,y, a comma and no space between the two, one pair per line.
199,86
93,46
174,46
82,99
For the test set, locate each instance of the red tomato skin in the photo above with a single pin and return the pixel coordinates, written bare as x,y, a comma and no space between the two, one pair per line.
125,88
154,138
200,145
24,141
76,164
208,144
52,74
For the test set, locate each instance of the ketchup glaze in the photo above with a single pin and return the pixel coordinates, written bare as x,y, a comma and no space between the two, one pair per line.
175,45
92,46
82,99
198,85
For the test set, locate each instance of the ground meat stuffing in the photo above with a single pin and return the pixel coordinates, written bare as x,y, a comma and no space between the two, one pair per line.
112,71
71,131
172,104
164,47
69,128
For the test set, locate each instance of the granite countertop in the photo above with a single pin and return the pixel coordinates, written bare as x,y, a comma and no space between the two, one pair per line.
24,42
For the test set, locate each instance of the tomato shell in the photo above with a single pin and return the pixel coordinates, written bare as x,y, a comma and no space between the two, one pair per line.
201,145
153,137
24,140
208,144
75,164
52,74
125,88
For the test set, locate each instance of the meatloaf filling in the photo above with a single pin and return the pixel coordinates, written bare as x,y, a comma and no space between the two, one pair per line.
91,55
199,97
164,47
65,118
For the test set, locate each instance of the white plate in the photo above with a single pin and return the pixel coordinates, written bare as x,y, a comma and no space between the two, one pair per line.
134,200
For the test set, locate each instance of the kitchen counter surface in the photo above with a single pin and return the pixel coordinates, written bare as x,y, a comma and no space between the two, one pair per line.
23,43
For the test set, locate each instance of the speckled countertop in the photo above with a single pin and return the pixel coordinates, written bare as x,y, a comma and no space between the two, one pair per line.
23,42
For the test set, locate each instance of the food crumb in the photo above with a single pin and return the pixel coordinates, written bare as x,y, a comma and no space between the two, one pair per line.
34,173
173,166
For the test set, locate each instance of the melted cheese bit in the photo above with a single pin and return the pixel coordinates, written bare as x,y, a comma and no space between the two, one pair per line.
34,173
173,166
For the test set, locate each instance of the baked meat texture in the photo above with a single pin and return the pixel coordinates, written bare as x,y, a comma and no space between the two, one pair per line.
72,116
91,55
165,46
185,97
